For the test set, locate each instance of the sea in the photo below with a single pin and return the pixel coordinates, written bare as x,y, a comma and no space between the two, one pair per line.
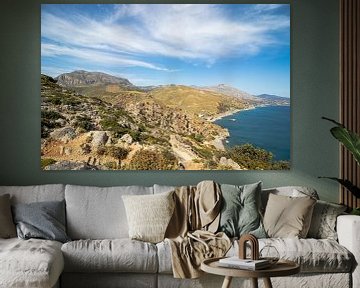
266,127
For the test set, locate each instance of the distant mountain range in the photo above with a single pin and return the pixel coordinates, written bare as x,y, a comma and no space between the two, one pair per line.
84,80
230,91
268,98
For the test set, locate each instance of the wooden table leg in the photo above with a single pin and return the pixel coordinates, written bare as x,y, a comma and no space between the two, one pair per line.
267,283
254,282
227,282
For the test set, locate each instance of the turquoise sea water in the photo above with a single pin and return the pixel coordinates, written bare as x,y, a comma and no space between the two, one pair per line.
265,127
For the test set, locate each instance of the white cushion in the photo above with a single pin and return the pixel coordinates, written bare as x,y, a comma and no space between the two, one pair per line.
117,255
30,263
98,213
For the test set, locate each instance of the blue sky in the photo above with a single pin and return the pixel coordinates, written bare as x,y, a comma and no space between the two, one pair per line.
243,45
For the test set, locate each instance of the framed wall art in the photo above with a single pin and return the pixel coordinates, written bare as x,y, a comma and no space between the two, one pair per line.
165,87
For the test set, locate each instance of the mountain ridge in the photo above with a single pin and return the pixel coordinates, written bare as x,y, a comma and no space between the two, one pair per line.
85,78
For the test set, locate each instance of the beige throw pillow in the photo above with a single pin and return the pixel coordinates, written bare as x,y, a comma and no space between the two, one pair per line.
288,217
148,215
7,226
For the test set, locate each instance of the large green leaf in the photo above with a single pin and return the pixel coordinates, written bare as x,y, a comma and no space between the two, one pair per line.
349,139
348,185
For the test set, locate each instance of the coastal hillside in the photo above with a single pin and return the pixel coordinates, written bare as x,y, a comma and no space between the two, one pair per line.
206,104
81,132
92,120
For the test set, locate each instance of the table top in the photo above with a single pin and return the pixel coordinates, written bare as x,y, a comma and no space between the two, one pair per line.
281,268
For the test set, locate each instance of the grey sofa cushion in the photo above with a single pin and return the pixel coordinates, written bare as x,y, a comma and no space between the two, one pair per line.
323,222
117,255
98,213
30,263
35,193
7,226
44,220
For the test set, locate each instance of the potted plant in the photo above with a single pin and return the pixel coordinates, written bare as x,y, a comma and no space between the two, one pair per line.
351,141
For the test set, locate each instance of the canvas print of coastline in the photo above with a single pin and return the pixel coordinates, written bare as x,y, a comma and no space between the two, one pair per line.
165,87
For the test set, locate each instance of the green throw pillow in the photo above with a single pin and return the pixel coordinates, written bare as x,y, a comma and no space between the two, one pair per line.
240,213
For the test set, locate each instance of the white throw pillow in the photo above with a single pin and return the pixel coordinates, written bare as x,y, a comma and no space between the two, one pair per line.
149,215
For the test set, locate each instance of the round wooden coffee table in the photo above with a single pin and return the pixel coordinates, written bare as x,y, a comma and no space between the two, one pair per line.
281,268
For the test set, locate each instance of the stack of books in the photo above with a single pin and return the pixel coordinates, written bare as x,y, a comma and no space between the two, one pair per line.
248,264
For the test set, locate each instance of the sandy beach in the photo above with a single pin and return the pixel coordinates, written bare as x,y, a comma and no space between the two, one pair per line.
228,113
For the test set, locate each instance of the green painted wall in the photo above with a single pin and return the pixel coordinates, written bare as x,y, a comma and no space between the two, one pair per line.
314,80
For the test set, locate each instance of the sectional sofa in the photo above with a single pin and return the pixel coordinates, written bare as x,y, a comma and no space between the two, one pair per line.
101,254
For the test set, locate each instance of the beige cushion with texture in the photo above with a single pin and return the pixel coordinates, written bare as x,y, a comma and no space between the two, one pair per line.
149,215
287,217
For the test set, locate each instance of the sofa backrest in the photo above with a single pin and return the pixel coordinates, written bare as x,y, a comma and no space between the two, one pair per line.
98,212
35,193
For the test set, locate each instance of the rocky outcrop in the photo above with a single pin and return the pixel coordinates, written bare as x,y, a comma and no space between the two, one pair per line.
99,138
63,134
229,163
83,78
127,139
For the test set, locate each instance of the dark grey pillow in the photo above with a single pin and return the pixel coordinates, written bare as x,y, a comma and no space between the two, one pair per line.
240,213
43,220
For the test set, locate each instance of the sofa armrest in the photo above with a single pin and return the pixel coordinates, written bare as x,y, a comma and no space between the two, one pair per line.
348,230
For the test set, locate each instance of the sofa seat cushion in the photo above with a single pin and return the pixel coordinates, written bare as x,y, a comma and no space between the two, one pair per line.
115,255
313,255
30,263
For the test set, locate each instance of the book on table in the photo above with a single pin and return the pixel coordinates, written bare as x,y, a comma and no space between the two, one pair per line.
236,262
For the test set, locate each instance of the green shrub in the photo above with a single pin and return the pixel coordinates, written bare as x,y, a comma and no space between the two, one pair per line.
101,150
51,115
203,152
48,119
111,165
153,160
281,165
197,137
112,125
46,162
251,157
117,152
84,122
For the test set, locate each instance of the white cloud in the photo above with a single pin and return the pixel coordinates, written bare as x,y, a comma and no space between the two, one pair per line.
192,32
94,56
